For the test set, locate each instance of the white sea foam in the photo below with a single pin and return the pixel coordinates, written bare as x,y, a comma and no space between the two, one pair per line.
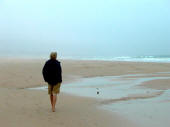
148,58
159,59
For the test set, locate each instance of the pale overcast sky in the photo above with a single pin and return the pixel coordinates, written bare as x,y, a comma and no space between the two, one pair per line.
85,27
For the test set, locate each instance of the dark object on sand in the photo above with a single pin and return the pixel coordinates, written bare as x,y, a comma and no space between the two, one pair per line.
97,90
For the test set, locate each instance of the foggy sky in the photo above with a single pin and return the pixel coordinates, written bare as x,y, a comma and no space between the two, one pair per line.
85,27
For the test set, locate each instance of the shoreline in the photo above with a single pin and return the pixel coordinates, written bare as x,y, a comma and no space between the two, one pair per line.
142,58
44,58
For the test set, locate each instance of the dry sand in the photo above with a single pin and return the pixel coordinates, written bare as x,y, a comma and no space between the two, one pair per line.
22,107
31,108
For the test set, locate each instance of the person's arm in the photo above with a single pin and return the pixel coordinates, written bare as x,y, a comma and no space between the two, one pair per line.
59,72
44,72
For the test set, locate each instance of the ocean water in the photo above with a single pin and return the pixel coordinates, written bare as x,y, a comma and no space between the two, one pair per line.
159,59
144,58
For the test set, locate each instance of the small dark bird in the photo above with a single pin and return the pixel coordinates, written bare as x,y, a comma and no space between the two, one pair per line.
97,90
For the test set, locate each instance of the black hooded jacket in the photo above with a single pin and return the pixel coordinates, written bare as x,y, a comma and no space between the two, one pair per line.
52,72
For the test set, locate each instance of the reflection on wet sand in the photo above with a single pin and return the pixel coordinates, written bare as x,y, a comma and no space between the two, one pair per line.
137,96
133,97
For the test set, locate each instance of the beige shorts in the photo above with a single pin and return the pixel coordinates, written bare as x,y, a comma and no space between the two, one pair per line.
54,89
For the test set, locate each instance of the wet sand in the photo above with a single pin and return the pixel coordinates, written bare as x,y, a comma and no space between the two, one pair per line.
21,107
161,84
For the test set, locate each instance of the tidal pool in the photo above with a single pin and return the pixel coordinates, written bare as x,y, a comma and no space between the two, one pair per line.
123,94
109,87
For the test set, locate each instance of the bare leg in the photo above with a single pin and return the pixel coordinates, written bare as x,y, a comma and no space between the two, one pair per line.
54,102
51,99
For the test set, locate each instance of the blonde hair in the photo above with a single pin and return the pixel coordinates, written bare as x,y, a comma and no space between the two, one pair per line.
53,55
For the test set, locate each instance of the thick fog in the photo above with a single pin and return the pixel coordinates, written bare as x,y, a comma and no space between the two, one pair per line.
85,27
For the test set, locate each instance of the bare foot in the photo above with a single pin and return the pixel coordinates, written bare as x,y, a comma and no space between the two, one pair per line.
53,110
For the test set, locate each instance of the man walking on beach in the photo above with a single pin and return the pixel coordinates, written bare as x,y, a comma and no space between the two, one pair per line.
52,74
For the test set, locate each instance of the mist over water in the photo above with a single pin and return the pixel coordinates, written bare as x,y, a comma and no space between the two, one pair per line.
106,30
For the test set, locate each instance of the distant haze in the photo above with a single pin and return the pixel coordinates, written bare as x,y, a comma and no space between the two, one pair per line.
85,27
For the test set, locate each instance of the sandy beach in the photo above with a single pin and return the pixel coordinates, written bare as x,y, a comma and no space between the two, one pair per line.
22,107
